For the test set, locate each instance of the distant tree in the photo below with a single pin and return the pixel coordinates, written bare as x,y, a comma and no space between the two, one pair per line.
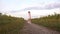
55,13
0,14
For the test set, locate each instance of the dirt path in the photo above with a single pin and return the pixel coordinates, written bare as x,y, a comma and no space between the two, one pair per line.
35,29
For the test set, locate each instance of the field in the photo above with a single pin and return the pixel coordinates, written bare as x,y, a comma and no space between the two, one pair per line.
10,25
50,21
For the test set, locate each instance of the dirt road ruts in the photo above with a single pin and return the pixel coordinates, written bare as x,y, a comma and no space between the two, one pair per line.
30,28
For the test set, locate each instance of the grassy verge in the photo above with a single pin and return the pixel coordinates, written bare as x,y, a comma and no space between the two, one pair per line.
10,25
50,21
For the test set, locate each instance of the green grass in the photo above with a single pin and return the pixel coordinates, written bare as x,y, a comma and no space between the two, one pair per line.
50,21
10,25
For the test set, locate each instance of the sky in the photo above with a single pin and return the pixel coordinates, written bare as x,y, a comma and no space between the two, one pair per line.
38,8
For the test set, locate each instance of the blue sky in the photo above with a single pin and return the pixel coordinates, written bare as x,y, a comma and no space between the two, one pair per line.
14,7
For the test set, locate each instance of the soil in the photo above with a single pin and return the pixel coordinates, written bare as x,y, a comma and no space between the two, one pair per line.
30,28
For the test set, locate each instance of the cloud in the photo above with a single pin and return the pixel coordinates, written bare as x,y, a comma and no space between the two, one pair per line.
52,6
22,5
35,13
46,7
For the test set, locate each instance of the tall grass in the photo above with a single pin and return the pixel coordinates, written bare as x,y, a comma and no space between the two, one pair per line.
10,25
50,21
